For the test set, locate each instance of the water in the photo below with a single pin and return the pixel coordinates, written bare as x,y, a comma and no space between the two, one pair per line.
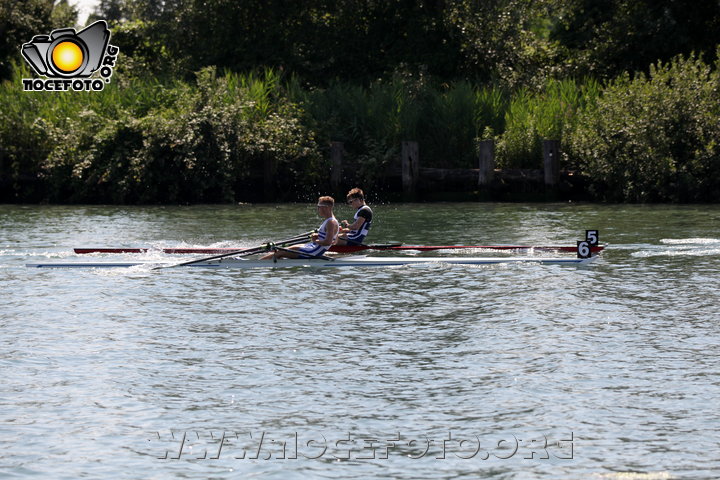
521,371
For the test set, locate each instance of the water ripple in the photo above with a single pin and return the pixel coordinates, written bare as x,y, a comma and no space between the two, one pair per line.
105,371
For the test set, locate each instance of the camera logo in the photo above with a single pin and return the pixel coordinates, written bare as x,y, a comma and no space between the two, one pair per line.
68,59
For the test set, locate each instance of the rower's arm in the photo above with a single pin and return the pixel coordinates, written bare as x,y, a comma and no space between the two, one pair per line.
355,225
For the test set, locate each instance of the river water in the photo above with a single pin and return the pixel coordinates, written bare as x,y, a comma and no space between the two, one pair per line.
605,371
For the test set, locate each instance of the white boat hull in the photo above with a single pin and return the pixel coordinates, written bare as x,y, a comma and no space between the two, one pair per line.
340,262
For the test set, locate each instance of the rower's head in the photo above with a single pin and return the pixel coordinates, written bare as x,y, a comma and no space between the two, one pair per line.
355,197
325,206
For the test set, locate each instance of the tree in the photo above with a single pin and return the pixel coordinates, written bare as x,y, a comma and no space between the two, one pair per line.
608,37
19,22
63,15
320,39
505,41
109,10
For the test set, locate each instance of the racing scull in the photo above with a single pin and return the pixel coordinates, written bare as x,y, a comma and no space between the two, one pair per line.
356,261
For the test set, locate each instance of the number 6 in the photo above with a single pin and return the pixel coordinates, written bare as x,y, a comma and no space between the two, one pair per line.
583,249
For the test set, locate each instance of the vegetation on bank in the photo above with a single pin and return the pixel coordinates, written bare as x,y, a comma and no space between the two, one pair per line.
645,138
653,137
201,112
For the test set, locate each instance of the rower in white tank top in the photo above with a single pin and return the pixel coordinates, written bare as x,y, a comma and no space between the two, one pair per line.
320,241
318,247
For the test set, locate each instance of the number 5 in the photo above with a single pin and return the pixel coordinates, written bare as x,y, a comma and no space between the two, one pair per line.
592,237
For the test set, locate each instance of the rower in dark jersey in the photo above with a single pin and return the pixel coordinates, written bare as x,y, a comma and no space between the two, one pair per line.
355,233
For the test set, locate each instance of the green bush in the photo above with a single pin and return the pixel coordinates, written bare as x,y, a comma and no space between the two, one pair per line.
146,142
25,140
655,137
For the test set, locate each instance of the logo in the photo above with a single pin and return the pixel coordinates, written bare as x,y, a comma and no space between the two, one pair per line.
69,59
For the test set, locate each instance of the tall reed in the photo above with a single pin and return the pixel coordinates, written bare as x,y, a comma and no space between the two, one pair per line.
545,115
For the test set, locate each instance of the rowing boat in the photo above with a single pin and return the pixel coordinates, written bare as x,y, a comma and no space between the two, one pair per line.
355,261
339,248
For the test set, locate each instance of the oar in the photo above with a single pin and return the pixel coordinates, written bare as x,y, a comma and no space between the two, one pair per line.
247,251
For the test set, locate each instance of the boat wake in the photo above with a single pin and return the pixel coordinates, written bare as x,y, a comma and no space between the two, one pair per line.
682,247
691,241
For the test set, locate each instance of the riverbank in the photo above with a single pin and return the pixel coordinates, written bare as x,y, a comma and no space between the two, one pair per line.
232,137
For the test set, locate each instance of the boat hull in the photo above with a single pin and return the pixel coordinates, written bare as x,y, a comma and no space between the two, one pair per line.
341,262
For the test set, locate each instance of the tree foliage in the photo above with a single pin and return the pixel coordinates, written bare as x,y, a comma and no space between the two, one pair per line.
318,39
19,22
607,37
505,41
519,43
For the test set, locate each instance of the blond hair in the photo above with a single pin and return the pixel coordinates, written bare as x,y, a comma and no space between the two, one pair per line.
327,201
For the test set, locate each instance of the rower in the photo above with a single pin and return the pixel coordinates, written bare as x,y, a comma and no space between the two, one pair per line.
355,233
320,241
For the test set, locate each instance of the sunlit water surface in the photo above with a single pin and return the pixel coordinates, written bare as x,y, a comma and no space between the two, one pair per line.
522,371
